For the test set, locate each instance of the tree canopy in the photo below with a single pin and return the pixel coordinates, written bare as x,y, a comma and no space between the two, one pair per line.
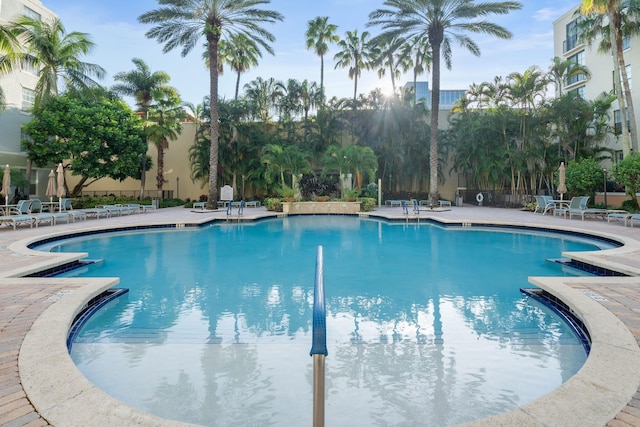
96,138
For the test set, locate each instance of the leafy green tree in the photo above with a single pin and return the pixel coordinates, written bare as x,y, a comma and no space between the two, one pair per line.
184,22
627,172
319,35
583,177
58,56
96,138
441,23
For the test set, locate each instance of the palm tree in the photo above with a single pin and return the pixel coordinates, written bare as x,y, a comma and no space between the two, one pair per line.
57,55
319,35
241,53
606,20
141,84
356,54
164,125
562,70
262,95
10,55
441,23
184,22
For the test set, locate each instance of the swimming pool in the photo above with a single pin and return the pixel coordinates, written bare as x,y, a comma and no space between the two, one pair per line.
425,324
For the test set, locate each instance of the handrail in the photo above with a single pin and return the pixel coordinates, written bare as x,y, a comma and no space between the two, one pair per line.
319,343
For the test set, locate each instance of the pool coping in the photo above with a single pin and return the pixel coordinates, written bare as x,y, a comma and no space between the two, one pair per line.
602,387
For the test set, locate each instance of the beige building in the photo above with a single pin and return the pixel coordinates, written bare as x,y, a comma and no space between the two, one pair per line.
567,46
18,88
177,173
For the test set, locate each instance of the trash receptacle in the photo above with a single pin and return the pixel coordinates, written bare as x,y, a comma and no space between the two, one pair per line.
459,201
155,203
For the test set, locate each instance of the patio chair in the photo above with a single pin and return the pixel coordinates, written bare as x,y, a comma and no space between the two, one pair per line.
545,204
66,207
20,214
40,216
576,206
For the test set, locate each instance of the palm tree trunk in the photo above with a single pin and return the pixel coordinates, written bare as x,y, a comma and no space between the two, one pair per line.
435,106
237,86
160,174
618,62
322,78
212,203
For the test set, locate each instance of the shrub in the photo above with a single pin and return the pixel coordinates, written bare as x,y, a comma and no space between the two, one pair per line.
311,186
273,204
583,177
367,204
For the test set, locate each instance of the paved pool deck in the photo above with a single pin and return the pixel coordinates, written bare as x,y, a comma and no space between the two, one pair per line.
40,386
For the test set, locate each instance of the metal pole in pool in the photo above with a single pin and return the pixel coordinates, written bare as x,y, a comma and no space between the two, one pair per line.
319,344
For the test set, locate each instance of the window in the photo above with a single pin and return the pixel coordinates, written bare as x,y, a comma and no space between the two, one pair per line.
617,156
27,11
28,65
628,69
579,91
572,36
617,120
578,58
28,98
626,42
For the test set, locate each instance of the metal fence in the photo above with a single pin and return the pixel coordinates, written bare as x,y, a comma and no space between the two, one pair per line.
500,199
133,194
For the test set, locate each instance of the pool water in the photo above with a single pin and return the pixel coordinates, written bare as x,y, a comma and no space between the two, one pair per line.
426,325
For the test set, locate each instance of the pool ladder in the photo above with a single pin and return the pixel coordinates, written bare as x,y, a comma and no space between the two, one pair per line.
319,343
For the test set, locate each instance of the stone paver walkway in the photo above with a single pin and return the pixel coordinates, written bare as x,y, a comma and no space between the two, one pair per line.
23,300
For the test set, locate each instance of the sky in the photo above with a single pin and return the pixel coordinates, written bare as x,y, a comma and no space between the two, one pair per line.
113,26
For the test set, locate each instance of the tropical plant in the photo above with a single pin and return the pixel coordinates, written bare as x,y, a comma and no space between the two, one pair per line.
441,23
57,55
319,35
164,125
184,22
606,20
563,70
142,85
356,54
10,55
241,53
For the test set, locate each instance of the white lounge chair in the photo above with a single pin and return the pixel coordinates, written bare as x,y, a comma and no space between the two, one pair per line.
18,215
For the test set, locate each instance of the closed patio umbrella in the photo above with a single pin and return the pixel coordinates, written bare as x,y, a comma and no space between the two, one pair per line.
6,183
562,186
51,186
61,192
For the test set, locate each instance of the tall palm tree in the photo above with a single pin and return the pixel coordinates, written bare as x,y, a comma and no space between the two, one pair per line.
142,85
165,125
184,22
319,35
356,54
57,55
606,20
441,23
241,53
